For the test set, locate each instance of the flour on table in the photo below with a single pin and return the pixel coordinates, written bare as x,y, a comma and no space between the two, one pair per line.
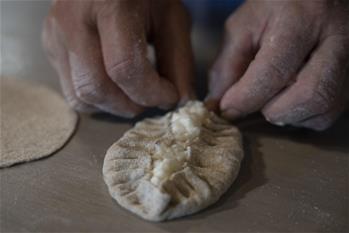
174,165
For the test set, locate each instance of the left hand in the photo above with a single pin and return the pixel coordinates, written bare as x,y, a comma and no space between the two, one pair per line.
287,59
99,50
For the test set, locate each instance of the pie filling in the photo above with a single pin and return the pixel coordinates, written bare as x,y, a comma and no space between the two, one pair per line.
185,126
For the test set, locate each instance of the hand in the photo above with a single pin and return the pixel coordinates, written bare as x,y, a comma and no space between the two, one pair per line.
99,49
286,58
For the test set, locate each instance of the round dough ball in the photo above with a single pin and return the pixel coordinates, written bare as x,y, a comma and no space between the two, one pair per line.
35,121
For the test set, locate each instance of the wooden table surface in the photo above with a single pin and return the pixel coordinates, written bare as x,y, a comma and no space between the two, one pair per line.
290,180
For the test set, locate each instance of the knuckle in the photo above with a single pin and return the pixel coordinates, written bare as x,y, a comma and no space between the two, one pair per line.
277,69
320,98
88,90
87,94
269,76
121,69
277,66
77,105
321,101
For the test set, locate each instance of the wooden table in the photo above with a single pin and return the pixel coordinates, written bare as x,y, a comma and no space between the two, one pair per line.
290,180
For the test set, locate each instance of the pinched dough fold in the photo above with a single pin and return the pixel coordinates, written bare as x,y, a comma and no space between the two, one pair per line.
159,170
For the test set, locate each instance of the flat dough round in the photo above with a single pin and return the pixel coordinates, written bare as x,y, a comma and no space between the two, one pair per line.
35,121
200,171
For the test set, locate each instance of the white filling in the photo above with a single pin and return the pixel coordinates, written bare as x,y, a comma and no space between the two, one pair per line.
171,159
186,126
186,123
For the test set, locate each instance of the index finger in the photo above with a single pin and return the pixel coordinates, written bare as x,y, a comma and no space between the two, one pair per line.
124,45
276,63
173,50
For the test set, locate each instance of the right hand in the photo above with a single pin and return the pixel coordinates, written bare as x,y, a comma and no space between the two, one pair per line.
99,50
287,59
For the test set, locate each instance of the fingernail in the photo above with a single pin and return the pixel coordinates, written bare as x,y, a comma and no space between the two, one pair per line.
278,123
231,114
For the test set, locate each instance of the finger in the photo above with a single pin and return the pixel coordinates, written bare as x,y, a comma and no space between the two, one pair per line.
90,80
321,122
236,53
57,54
171,38
318,89
278,60
125,57
230,65
212,105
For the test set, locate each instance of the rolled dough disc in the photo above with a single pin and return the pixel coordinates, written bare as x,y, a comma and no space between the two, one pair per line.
159,175
35,121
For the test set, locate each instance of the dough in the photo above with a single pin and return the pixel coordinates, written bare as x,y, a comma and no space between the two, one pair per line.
175,165
35,121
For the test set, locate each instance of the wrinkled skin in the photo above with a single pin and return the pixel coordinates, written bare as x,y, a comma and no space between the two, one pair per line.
99,50
287,59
